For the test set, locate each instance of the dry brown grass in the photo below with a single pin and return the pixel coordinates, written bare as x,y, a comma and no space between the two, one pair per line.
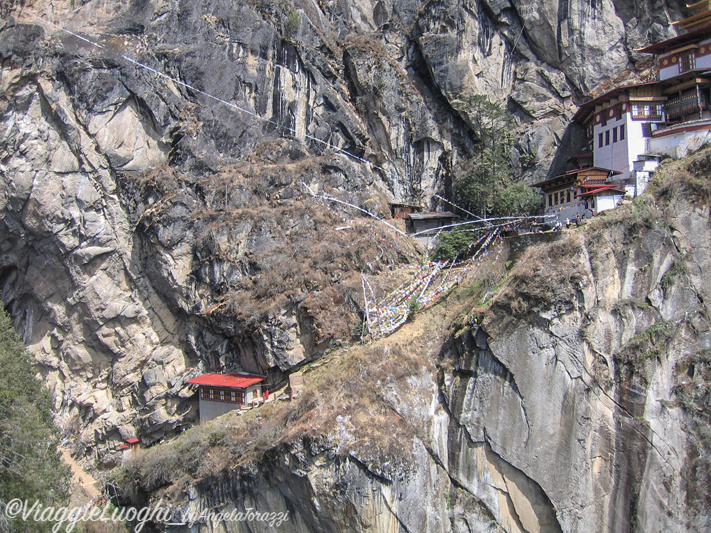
686,179
545,275
262,244
363,402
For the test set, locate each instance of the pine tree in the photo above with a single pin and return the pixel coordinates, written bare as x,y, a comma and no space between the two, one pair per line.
486,186
30,466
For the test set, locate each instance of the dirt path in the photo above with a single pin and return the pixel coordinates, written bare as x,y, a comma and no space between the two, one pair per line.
81,479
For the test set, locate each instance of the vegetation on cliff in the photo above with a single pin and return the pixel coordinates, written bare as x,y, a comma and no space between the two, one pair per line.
364,403
30,465
261,245
486,185
607,308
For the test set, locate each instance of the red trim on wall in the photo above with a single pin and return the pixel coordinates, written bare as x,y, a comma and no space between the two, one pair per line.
665,132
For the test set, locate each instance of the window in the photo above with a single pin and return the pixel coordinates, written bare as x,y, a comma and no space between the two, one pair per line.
599,140
607,137
622,132
685,104
567,196
614,135
687,62
647,111
217,395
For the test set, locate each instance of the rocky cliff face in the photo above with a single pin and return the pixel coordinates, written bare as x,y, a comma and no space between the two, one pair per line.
150,231
579,402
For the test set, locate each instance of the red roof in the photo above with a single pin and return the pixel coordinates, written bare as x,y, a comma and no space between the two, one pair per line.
133,440
237,381
604,188
575,172
124,447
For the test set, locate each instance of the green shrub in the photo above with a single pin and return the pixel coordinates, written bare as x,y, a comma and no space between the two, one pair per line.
453,243
293,20
413,306
517,200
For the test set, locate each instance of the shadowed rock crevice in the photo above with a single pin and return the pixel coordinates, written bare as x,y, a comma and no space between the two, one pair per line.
151,233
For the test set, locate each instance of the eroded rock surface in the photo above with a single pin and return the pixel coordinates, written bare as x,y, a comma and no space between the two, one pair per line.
142,219
575,403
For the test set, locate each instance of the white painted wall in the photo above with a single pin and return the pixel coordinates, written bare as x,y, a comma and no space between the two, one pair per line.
703,61
680,144
669,72
622,155
637,144
618,155
603,203
210,410
249,396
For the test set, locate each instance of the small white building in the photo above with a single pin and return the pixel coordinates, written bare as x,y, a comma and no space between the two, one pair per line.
644,167
584,191
221,393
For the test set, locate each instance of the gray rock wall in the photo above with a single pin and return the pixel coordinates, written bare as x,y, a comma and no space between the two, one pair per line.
564,413
580,391
116,245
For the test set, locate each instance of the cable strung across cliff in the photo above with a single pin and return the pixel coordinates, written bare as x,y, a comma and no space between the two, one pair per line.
431,281
230,105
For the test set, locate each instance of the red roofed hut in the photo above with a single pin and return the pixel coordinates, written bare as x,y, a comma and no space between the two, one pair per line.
222,393
130,447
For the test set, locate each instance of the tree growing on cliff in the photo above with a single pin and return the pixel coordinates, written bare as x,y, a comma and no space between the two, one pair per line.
30,467
486,185
517,200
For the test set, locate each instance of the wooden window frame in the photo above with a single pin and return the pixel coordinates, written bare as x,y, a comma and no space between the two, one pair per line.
213,394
